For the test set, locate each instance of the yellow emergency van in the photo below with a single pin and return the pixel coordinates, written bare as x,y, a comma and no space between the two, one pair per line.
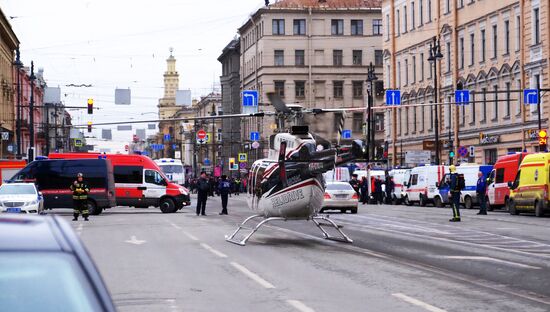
529,191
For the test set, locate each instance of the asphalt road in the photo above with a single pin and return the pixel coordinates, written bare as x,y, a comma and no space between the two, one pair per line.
402,259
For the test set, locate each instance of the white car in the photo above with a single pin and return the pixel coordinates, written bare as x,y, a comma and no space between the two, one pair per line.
340,196
20,198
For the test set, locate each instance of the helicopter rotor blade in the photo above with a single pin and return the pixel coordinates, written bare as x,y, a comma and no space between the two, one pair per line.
278,103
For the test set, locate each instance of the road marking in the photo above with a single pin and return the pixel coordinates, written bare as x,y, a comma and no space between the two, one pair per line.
252,275
135,241
300,306
418,303
214,251
190,236
176,226
478,258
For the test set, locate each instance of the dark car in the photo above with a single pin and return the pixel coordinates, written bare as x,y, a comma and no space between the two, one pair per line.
44,267
54,177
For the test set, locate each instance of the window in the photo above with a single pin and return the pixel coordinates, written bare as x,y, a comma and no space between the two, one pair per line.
153,177
338,89
472,49
447,6
421,66
279,58
358,89
448,50
495,102
378,57
431,117
379,122
357,57
387,27
357,125
414,179
429,10
536,26
421,11
405,19
278,27
473,110
495,42
128,174
483,44
518,32
499,178
491,156
397,14
356,27
460,4
406,72
414,69
299,58
280,88
299,27
461,47
398,74
422,118
508,103
413,17
377,26
484,105
337,27
462,114
337,56
506,37
407,124
414,119
300,89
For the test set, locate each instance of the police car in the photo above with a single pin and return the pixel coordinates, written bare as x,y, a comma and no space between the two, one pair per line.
20,198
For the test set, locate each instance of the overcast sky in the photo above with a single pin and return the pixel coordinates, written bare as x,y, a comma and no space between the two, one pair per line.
124,44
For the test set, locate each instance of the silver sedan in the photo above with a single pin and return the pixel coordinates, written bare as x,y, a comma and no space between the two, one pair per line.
340,196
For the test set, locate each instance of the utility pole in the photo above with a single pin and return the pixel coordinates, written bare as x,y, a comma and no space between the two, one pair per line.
371,77
435,56
18,66
538,104
30,155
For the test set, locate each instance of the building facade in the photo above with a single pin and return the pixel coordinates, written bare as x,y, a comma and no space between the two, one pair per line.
315,54
8,44
209,154
495,49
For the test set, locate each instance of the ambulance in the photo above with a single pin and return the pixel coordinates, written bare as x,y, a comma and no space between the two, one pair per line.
139,182
504,171
173,169
468,195
400,178
529,191
422,185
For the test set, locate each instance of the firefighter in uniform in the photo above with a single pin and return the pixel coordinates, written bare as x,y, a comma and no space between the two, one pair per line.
455,194
80,197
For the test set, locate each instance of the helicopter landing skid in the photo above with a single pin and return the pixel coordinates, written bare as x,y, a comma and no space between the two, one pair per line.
343,239
231,238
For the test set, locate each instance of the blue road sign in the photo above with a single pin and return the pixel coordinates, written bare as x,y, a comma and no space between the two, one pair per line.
167,137
254,136
174,146
462,97
463,151
393,97
346,134
530,96
250,98
206,162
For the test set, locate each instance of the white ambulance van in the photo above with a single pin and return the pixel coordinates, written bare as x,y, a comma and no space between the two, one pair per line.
422,185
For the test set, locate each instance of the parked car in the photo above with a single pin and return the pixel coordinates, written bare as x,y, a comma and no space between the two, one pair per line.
504,171
468,195
422,185
340,196
529,191
20,198
44,267
400,178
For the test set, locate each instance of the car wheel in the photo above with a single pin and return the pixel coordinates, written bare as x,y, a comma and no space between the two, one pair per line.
407,201
512,207
93,209
468,204
437,202
539,209
167,205
422,201
354,210
488,204
343,210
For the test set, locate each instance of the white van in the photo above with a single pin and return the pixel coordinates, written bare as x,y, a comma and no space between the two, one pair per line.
173,169
339,174
421,187
400,178
468,195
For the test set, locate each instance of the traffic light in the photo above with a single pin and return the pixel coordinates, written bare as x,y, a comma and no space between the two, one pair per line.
543,136
89,126
90,106
231,163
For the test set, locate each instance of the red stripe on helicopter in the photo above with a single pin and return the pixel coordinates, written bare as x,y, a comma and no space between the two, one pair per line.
305,183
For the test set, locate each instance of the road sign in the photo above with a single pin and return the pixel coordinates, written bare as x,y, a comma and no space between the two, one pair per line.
250,98
243,157
10,148
242,165
255,144
462,151
418,157
346,134
206,161
78,143
167,137
232,165
530,96
393,97
201,141
177,154
254,136
5,136
201,134
462,97
472,151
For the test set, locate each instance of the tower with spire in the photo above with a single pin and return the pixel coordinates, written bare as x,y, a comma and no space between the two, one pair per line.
167,104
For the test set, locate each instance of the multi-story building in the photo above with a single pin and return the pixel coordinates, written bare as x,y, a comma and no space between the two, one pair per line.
495,49
313,53
231,100
209,155
8,44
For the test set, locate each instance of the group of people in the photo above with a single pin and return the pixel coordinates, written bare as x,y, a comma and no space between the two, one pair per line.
381,190
206,186
237,185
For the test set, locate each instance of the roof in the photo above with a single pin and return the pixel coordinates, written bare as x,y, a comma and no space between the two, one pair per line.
29,233
332,4
232,46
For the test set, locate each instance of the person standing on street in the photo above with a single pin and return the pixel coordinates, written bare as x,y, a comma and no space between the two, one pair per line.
354,183
455,194
378,194
203,189
390,187
224,188
237,186
481,187
80,198
364,190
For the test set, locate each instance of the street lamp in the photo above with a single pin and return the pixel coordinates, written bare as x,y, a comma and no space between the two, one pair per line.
371,78
435,56
18,65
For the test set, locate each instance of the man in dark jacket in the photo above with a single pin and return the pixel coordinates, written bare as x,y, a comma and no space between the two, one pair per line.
80,198
390,187
481,187
455,194
378,194
203,188
224,188
354,183
364,190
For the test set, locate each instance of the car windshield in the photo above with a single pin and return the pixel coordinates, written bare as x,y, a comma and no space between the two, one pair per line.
339,187
172,168
44,281
8,189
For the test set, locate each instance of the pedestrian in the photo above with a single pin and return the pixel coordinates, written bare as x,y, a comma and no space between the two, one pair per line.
203,188
378,194
364,187
80,198
237,186
224,188
481,188
455,194
390,188
354,183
